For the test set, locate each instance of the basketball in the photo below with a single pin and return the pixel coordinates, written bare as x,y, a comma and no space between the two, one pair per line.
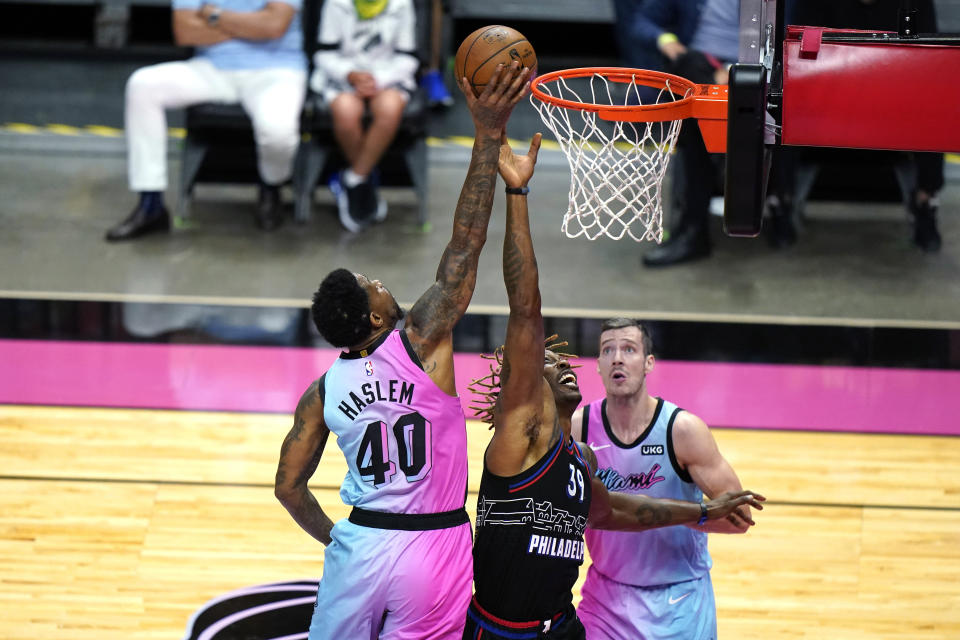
481,52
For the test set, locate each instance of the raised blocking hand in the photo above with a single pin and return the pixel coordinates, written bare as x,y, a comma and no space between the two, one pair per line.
516,170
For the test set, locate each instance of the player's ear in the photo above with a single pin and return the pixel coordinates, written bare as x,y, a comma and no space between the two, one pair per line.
376,320
649,363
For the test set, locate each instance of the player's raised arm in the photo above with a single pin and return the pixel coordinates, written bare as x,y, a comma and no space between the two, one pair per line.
431,319
299,456
519,415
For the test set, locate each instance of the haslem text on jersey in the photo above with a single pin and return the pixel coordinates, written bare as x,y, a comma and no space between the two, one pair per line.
399,391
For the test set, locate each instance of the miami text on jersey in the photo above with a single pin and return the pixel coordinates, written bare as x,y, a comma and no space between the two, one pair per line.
613,481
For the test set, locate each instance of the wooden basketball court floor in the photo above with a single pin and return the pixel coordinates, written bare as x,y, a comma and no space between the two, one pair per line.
118,523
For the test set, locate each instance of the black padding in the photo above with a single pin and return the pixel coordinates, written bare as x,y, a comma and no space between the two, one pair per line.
748,160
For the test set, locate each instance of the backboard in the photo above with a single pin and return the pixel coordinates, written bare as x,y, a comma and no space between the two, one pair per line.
811,86
755,88
792,86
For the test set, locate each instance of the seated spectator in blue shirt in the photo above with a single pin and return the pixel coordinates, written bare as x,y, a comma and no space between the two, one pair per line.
248,52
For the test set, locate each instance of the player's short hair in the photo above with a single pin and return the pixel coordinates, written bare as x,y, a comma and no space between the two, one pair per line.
623,323
341,309
486,389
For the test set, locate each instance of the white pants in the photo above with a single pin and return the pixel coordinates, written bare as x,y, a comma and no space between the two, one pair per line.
273,98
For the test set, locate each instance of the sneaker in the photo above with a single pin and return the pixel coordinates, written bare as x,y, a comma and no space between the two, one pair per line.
437,94
357,206
925,233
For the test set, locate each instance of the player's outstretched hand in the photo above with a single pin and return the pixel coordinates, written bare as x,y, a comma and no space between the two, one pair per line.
516,170
726,506
492,108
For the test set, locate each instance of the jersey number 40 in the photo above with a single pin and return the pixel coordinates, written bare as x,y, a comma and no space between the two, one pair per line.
409,448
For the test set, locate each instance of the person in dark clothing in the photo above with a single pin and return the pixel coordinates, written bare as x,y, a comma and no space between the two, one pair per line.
699,41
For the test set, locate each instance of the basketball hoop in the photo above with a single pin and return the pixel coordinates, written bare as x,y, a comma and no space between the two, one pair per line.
618,139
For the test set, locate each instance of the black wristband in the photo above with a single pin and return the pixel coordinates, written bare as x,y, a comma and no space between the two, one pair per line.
213,19
518,191
703,514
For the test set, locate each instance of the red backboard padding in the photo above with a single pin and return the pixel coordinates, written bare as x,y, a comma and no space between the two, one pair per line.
869,96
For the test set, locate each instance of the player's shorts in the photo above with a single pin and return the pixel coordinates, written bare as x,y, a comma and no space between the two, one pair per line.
393,584
611,610
482,625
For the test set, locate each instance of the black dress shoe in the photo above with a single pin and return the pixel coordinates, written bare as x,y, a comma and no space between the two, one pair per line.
140,222
925,233
780,230
269,214
689,244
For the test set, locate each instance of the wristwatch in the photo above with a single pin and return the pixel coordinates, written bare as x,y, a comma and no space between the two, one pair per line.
213,18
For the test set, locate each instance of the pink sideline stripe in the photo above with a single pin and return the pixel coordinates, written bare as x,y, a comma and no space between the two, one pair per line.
271,379
811,397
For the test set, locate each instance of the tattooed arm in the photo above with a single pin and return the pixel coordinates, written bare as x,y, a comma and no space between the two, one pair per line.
299,457
520,434
430,323
634,512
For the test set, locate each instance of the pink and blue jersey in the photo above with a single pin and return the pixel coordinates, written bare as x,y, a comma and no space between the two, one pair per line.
404,439
646,466
645,585
399,568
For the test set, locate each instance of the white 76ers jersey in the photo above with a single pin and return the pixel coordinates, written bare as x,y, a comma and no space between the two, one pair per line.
404,439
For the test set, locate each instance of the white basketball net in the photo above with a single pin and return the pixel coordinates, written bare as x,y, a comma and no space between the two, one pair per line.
617,168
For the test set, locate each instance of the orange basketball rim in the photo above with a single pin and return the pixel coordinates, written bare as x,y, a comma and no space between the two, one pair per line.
705,102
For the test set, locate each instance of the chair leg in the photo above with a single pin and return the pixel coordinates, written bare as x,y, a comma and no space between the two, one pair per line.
192,157
310,162
806,177
416,158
